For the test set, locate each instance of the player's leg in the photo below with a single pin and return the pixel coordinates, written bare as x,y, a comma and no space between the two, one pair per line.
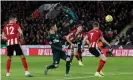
8,64
66,22
77,56
71,56
65,57
55,64
25,65
19,52
67,66
102,61
98,53
80,52
71,53
75,52
80,55
56,60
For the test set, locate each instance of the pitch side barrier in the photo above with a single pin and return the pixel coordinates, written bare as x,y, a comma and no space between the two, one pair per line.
45,50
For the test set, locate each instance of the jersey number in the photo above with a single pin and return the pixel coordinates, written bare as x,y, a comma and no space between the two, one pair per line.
91,35
10,30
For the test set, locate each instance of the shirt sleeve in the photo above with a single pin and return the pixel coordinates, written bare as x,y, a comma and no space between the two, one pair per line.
88,34
83,35
73,32
4,29
100,33
17,26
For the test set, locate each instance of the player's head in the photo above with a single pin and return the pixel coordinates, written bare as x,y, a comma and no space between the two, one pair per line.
79,28
53,27
12,19
95,25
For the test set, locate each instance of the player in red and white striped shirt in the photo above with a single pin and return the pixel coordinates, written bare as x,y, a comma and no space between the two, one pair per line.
93,37
11,33
75,40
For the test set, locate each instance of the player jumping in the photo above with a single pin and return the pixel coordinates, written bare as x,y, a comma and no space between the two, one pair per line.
57,50
70,17
93,37
11,33
52,11
74,39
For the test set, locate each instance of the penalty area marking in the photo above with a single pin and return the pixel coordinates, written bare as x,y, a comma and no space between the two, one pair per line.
94,76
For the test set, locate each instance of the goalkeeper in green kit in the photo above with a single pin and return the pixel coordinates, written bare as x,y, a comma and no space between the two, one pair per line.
69,18
57,50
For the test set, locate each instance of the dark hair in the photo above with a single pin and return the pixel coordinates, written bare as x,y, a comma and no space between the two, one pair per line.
12,16
78,25
95,24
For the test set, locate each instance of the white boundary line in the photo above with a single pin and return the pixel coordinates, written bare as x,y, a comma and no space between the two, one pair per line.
72,78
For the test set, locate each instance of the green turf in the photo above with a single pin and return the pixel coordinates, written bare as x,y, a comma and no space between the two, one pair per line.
117,68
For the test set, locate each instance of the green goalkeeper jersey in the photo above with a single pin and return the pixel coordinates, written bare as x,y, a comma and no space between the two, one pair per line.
55,42
70,13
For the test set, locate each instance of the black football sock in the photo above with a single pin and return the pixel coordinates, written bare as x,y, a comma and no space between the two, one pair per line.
81,58
67,67
80,55
51,66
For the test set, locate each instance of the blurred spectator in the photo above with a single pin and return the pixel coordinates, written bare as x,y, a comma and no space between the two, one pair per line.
117,40
36,30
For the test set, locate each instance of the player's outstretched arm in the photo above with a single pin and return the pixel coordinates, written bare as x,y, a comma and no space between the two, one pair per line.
110,50
20,32
68,38
104,41
4,36
84,41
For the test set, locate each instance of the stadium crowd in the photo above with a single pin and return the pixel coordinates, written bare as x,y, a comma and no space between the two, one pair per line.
36,30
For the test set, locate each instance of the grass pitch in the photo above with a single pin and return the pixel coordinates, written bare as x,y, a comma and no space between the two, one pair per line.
116,68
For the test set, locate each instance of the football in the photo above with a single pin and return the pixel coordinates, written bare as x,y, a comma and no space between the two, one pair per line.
109,18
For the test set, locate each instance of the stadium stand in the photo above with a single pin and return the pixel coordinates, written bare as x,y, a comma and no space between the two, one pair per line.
35,30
